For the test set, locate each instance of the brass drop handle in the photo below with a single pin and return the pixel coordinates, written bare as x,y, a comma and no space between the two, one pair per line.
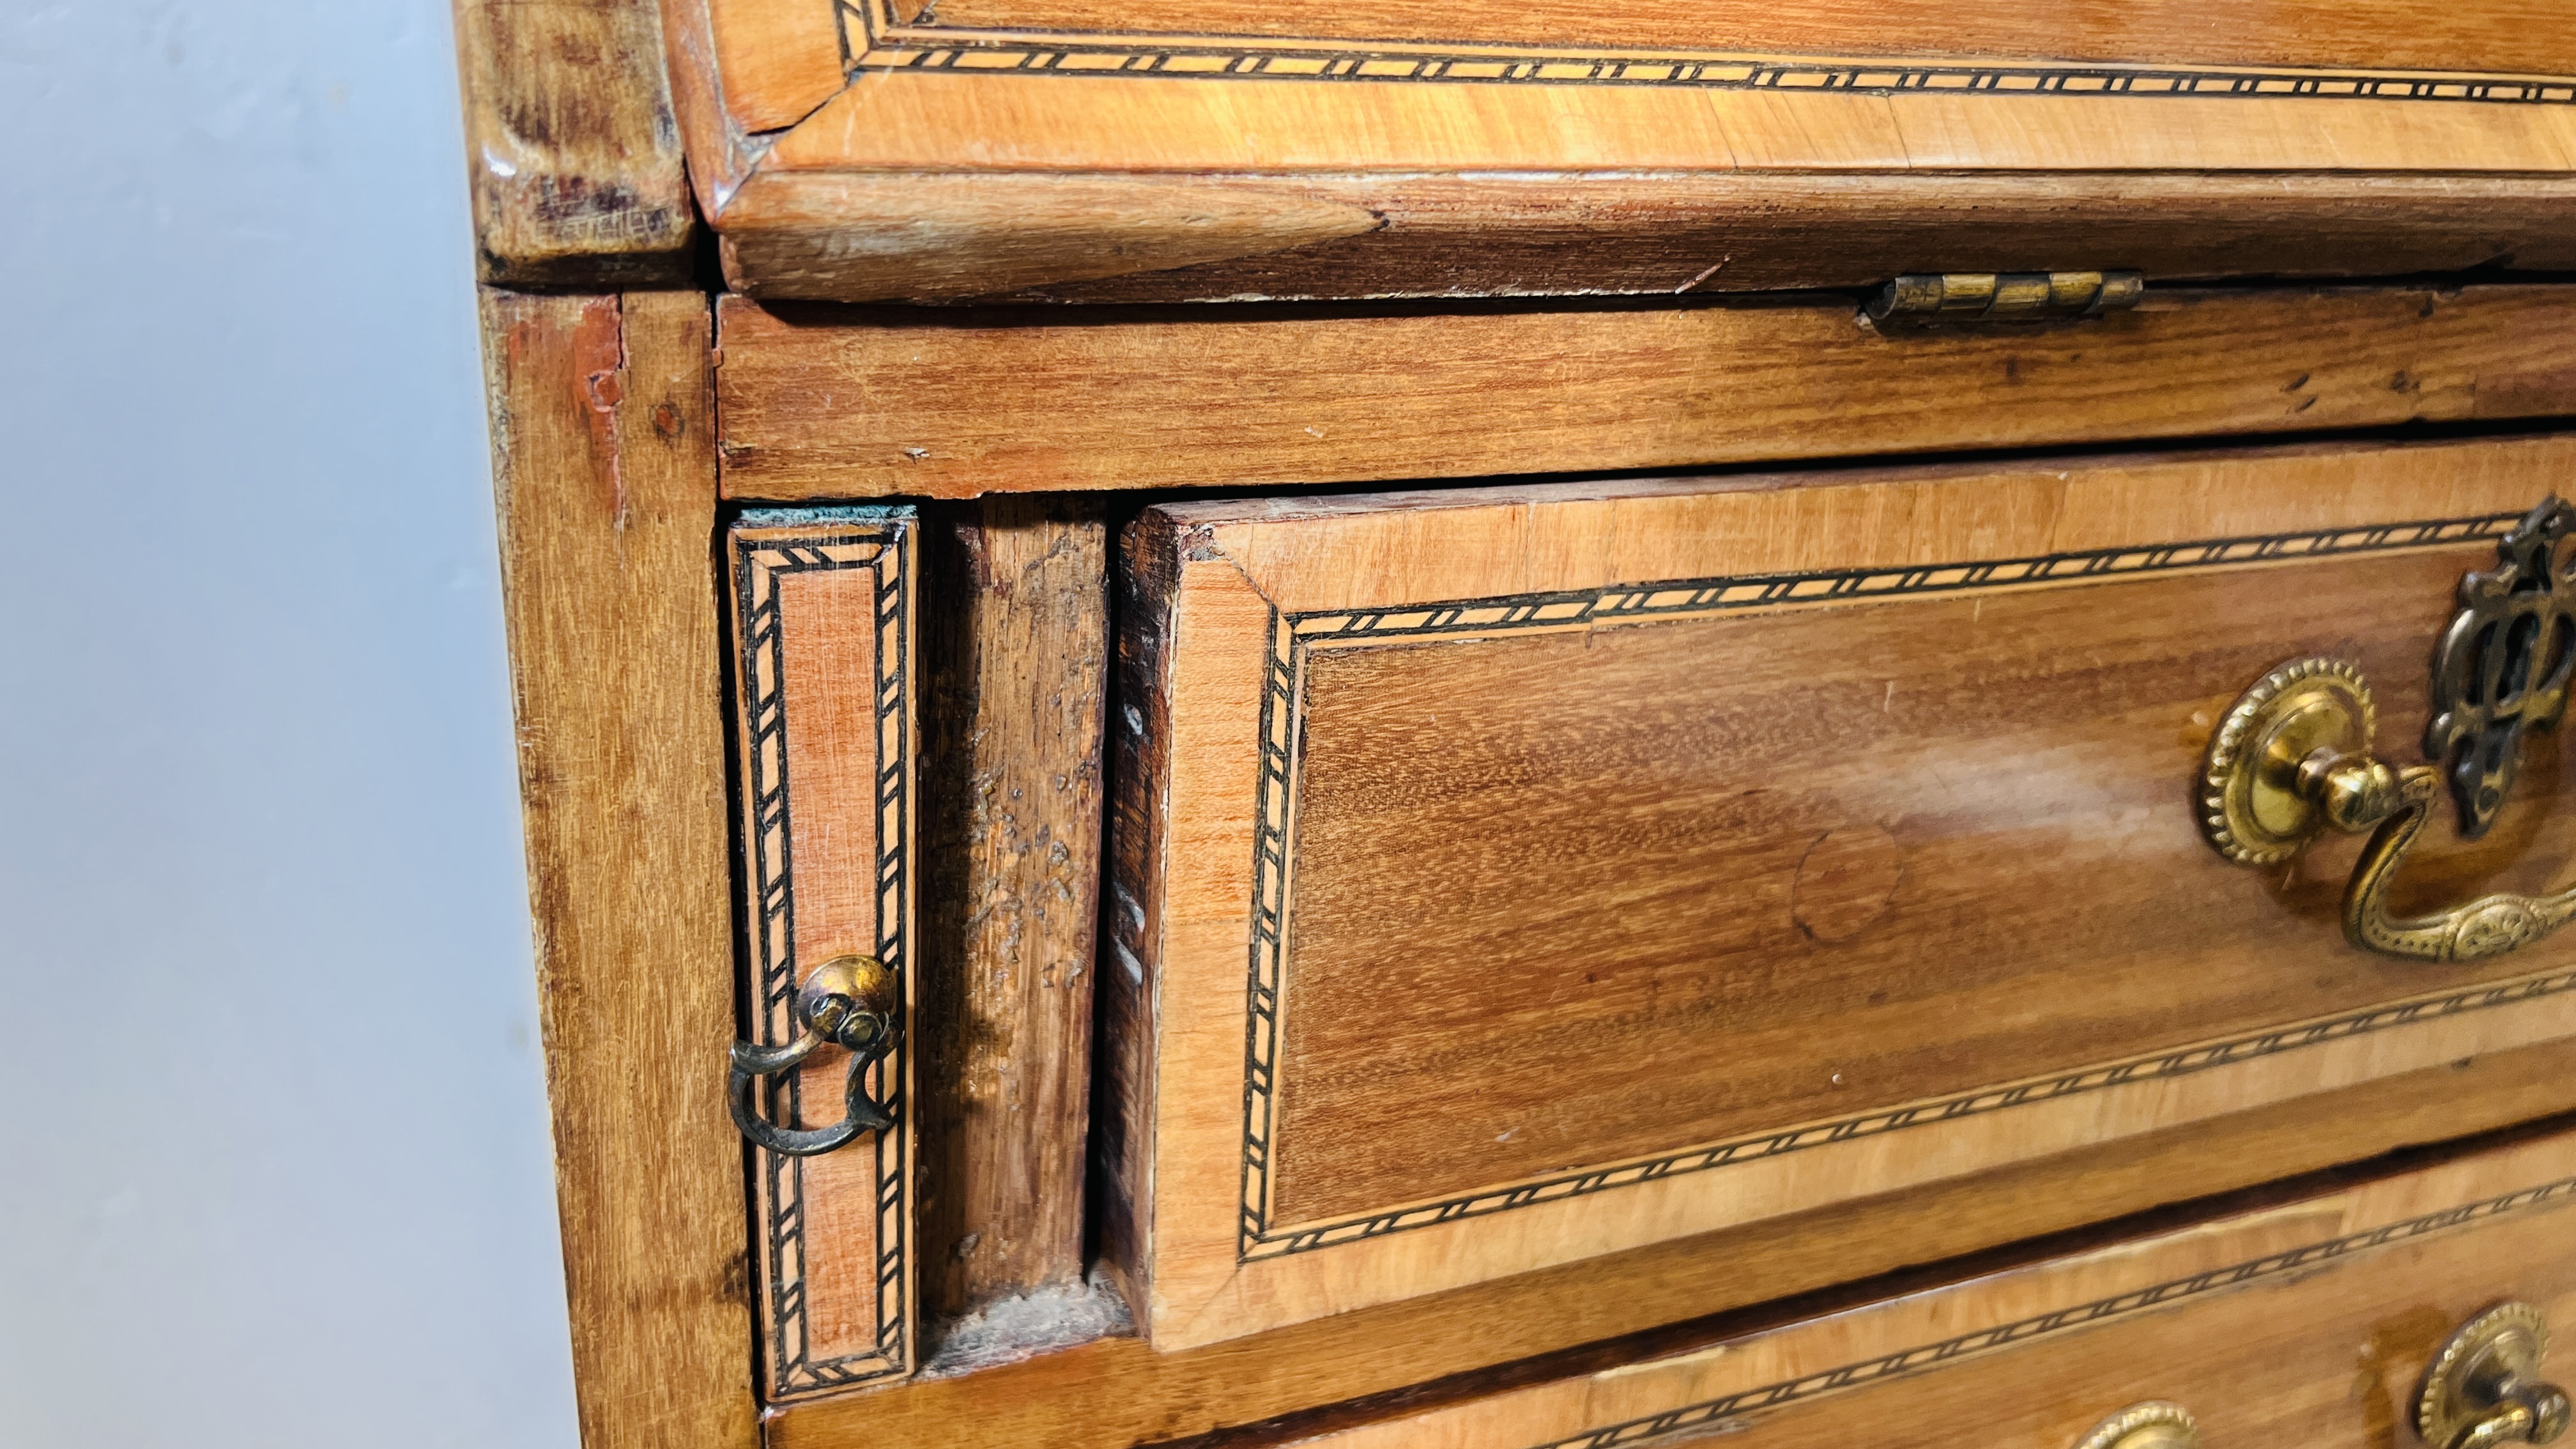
2295,756
2483,1388
2293,760
2154,1424
852,1002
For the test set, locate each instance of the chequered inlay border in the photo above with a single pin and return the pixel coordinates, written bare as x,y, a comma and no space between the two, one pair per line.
874,38
1930,1355
1292,636
882,550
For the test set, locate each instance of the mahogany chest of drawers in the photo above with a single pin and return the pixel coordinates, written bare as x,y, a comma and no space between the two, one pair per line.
1503,728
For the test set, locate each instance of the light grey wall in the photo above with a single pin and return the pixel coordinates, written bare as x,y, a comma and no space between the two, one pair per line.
273,1161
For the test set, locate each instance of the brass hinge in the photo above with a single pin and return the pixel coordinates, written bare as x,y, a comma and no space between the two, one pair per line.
1941,297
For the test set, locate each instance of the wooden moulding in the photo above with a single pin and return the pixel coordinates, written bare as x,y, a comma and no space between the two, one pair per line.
1203,149
602,435
2251,1322
827,402
931,236
573,155
1116,1392
1016,639
1628,860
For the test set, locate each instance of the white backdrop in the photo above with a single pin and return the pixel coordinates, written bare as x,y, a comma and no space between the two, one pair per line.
273,1162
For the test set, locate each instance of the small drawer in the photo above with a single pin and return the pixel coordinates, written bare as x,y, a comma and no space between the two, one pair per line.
821,618
1506,877
2322,1322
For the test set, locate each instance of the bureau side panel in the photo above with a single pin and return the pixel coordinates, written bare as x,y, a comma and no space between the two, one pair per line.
603,461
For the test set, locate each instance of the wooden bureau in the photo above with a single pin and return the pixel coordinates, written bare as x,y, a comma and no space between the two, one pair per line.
1507,728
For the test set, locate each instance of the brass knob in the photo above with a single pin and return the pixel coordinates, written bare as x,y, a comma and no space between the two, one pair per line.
852,1002
2154,1424
2484,1389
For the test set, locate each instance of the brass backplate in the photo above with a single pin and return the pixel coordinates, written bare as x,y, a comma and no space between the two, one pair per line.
2154,1424
2251,807
2503,1345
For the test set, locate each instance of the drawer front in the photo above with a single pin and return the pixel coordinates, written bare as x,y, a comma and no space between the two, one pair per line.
822,624
1185,150
1507,877
2310,1324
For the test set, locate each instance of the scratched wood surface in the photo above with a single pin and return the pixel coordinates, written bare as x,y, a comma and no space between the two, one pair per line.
864,236
890,151
822,619
1118,1392
833,403
572,152
2501,35
603,458
1600,891
1016,642
2308,1324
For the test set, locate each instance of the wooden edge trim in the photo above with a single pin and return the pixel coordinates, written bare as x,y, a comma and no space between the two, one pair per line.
1002,236
1123,1082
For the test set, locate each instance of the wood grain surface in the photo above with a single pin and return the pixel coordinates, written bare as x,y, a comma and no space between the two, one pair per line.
604,463
573,156
822,622
1231,150
1567,898
825,402
782,59
2308,1324
1245,150
867,236
1117,1392
2498,35
1600,890
1016,643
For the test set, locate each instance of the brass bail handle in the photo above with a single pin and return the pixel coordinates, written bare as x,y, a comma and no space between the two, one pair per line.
2295,756
2155,1424
852,1002
2483,1388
